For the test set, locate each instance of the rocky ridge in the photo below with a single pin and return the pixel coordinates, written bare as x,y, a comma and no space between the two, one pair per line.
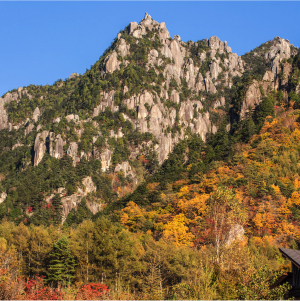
186,87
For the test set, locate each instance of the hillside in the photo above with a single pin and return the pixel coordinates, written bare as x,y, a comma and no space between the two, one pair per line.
98,135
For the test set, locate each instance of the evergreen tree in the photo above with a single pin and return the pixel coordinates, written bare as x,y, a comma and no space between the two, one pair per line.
57,209
266,108
62,263
248,129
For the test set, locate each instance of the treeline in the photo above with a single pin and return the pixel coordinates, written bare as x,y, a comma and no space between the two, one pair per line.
102,258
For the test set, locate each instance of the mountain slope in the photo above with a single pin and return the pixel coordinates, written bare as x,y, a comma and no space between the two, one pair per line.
98,135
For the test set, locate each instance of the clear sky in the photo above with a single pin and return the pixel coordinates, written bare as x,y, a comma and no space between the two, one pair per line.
42,42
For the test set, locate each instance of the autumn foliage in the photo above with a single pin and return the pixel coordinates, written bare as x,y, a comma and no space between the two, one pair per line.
91,291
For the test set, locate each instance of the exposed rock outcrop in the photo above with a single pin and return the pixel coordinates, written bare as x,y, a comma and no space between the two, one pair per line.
123,48
56,146
281,50
72,152
126,168
251,100
73,75
72,201
40,147
112,62
236,233
36,114
3,196
106,159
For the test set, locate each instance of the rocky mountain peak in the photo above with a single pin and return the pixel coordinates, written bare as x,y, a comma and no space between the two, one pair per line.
145,94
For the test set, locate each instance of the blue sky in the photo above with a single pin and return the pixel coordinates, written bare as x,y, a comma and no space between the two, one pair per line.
42,42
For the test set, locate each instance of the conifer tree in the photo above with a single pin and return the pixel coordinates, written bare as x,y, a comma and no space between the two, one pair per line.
266,108
62,263
57,208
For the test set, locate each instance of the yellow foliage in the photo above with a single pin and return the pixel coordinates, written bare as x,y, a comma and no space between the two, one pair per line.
295,198
258,220
124,218
189,167
183,191
276,188
265,135
152,186
296,183
286,229
178,232
133,216
195,206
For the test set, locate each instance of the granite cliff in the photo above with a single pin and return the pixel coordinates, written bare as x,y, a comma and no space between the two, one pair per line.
145,94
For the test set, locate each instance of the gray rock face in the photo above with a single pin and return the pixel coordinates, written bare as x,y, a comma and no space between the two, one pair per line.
72,201
281,50
251,100
3,196
72,117
214,69
159,118
163,32
3,115
56,146
36,114
106,159
209,86
72,152
112,63
29,129
269,76
40,147
46,141
123,48
126,168
8,97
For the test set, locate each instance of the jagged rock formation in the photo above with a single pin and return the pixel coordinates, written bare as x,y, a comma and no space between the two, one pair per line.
46,141
146,93
72,201
177,61
127,170
276,78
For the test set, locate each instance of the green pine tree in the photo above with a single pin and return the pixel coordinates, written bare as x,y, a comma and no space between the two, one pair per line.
248,129
57,209
62,264
266,108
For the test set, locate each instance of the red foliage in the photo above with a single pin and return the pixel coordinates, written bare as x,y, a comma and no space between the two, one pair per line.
36,290
91,291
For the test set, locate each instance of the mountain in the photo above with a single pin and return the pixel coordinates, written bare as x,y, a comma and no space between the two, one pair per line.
76,146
